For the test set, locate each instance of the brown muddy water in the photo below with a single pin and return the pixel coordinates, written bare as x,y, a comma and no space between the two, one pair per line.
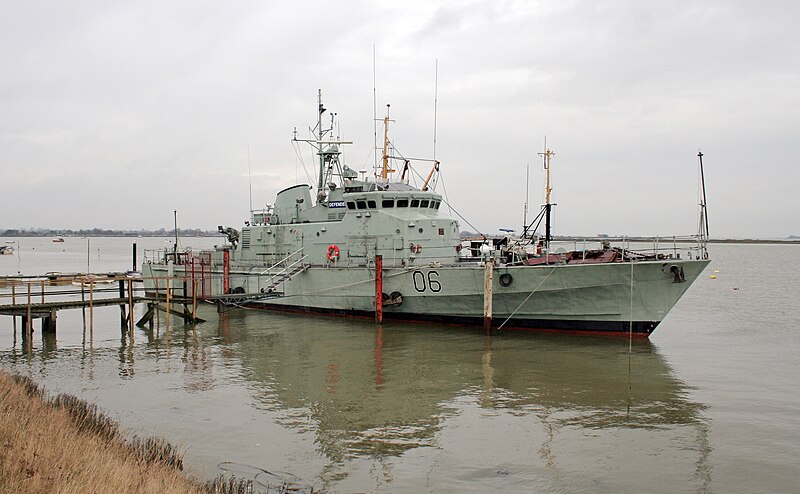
710,404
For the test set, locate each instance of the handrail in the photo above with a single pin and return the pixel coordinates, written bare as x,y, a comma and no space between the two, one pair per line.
282,274
657,244
267,271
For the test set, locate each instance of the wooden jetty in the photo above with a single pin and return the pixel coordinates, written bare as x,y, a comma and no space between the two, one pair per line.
41,297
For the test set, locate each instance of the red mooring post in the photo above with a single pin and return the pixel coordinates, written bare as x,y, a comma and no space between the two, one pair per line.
379,288
226,271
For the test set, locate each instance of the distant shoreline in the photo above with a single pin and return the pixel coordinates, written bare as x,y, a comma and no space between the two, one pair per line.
107,233
792,240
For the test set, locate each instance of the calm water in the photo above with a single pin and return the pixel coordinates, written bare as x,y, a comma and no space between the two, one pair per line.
710,404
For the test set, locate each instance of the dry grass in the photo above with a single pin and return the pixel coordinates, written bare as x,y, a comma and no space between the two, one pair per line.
65,445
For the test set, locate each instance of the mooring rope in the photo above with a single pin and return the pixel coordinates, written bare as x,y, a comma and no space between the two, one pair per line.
528,297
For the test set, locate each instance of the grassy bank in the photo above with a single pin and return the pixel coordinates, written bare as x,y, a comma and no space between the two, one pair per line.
65,445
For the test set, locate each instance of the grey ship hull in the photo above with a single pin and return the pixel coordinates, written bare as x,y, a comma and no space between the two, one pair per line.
609,298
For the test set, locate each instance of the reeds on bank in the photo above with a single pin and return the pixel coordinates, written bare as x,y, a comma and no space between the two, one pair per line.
66,445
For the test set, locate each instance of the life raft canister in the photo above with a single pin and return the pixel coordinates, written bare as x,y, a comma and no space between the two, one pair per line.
333,252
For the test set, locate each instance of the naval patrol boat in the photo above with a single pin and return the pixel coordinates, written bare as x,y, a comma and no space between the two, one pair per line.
381,247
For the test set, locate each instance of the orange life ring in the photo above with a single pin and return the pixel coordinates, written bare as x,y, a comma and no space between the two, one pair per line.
333,252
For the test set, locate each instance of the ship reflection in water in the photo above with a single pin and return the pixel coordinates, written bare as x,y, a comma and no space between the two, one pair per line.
379,393
350,406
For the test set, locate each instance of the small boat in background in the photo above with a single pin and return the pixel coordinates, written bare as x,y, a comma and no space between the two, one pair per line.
58,239
6,250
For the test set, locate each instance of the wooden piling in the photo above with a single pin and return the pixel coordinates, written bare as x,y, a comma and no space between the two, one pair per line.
91,309
487,296
130,306
83,306
29,329
42,282
122,317
49,322
169,282
14,302
147,318
194,299
185,305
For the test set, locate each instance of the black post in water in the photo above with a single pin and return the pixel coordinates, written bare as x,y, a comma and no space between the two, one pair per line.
134,257
123,318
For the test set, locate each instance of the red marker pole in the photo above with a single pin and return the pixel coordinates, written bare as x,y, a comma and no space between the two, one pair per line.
379,288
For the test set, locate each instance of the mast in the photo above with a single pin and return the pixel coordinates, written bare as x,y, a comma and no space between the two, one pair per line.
547,154
385,161
703,209
319,138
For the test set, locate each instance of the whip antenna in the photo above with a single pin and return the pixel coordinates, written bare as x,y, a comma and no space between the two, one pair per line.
250,178
435,104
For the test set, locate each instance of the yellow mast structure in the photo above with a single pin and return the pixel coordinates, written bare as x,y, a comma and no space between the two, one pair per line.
548,187
548,190
385,171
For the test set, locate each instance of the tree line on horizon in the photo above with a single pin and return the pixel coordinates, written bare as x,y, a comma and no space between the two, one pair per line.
101,232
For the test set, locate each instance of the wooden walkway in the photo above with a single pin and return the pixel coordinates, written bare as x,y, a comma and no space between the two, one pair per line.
44,309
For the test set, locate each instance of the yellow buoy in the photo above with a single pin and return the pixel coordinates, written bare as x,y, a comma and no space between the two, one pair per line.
713,277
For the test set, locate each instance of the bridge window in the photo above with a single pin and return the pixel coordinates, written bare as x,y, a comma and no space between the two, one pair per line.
402,203
437,205
424,203
414,203
388,203
371,204
351,205
361,204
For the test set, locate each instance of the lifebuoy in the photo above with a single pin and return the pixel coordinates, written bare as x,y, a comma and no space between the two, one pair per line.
333,252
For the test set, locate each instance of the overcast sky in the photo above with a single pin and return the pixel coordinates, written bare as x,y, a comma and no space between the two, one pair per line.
114,114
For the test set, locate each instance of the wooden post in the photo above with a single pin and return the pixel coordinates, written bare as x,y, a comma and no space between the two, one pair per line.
49,323
42,291
122,318
134,257
91,309
83,305
194,297
379,288
130,306
13,317
166,316
29,329
185,299
487,296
